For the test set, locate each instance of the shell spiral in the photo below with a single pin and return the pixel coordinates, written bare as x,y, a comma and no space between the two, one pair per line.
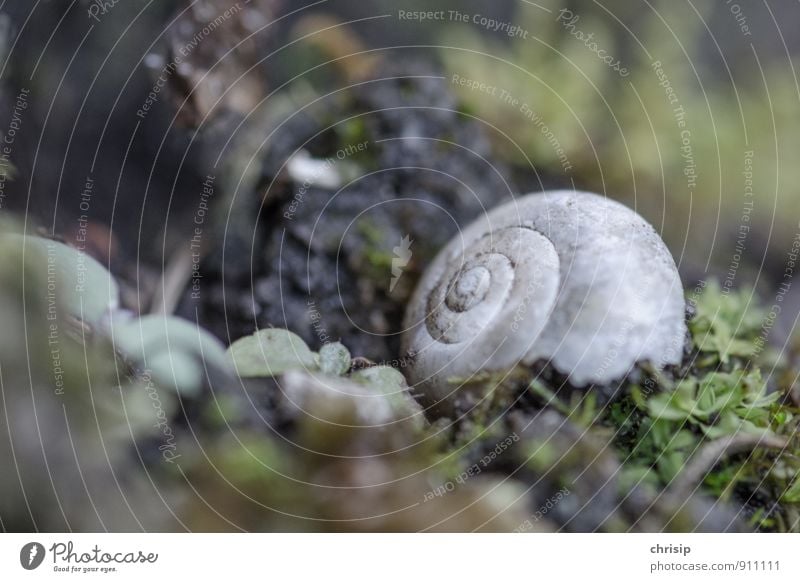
566,277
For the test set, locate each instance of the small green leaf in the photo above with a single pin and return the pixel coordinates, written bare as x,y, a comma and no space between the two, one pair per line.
383,379
82,285
178,370
334,359
392,384
176,351
792,494
669,464
666,407
270,352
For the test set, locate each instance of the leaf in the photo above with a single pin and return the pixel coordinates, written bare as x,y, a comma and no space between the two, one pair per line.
792,494
537,387
392,384
175,351
683,440
633,475
334,359
82,285
667,407
178,370
669,464
270,352
728,424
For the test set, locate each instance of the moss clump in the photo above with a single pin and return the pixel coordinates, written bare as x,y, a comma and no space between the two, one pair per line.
721,419
722,425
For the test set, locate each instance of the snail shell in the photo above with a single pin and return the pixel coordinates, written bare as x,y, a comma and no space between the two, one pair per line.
566,277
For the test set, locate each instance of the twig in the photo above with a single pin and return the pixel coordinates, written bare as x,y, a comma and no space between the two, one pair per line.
710,454
172,283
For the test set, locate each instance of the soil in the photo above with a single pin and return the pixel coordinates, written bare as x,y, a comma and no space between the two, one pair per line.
320,260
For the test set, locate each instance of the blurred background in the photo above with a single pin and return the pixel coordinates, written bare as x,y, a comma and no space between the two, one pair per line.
145,130
730,66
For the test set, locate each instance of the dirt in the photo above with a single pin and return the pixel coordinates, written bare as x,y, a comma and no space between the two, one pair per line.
320,260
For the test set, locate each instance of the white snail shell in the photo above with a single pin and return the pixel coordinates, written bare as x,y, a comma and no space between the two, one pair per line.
568,277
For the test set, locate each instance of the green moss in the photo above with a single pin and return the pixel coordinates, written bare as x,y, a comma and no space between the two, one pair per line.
352,131
541,456
726,325
720,393
377,252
